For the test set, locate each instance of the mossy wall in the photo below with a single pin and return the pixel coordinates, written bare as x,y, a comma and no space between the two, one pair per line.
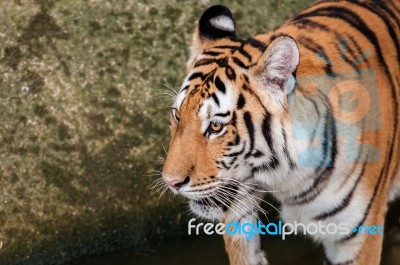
83,119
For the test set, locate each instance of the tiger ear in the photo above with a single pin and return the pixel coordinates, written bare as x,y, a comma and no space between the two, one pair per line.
274,72
215,23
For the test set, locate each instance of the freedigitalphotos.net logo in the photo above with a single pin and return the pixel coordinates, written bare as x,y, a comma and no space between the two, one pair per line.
249,230
338,104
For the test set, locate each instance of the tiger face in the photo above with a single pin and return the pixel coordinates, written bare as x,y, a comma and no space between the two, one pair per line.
234,91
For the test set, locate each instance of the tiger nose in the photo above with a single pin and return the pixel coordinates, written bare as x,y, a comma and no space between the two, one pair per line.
177,184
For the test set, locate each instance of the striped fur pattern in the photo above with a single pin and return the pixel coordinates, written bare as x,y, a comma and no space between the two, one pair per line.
233,133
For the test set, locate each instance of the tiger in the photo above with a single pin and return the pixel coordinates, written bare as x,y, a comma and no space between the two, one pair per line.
308,112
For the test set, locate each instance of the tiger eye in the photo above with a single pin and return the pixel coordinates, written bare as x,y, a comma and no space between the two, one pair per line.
216,126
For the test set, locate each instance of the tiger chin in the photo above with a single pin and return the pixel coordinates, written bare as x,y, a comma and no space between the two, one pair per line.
308,112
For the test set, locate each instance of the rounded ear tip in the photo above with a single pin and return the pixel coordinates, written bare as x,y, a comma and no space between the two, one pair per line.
285,39
217,22
215,11
291,43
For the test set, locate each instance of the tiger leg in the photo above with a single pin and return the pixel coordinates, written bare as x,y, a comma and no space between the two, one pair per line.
363,250
242,251
361,247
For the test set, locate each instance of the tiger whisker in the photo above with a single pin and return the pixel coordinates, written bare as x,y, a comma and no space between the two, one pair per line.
245,184
248,207
165,150
169,86
258,198
242,210
254,198
162,193
220,199
254,205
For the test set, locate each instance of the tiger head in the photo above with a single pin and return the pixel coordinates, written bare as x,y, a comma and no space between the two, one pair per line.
228,118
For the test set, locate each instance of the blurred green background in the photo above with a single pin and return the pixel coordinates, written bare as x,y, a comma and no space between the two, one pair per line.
84,117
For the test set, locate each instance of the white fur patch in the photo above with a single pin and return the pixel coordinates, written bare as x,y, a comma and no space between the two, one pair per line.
179,99
181,95
223,23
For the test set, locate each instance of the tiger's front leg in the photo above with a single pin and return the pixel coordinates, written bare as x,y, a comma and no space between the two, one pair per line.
363,246
364,250
243,251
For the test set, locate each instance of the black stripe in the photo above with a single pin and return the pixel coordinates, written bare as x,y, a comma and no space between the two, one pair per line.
223,62
224,165
258,153
246,78
345,202
266,131
223,114
210,75
256,44
215,98
245,53
366,212
241,102
285,149
250,129
385,20
233,161
237,140
239,63
220,85
197,75
306,23
313,191
267,166
230,47
318,50
205,62
212,53
238,152
194,92
273,161
233,121
185,88
330,144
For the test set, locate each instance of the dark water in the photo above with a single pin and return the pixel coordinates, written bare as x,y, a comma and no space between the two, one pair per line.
200,250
